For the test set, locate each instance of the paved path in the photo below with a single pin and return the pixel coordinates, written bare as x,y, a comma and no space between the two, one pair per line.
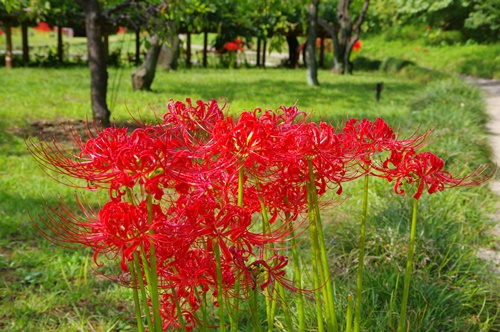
492,94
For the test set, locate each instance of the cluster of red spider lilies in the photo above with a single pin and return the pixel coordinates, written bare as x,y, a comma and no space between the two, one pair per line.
204,208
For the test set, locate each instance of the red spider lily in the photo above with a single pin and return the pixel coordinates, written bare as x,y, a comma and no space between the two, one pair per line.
66,227
256,271
246,140
239,42
364,139
320,145
231,226
192,122
170,314
231,46
426,169
190,163
123,228
190,275
42,27
118,229
357,46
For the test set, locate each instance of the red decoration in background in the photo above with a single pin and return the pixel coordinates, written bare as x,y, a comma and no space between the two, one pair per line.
357,46
42,27
233,46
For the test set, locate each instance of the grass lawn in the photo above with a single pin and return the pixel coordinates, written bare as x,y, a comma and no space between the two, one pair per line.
469,59
47,288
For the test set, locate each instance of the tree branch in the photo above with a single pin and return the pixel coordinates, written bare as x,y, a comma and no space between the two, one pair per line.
327,26
361,17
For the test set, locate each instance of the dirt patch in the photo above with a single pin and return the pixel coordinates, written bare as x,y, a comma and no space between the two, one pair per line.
63,130
47,130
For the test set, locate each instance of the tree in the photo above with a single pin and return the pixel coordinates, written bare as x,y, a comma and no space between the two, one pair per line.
97,61
11,14
485,19
474,19
344,35
142,77
312,32
154,16
60,13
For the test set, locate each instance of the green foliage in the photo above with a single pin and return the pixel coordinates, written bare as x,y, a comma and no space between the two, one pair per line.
404,32
442,37
476,19
484,19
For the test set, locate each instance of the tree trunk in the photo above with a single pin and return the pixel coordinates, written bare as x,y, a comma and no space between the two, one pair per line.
26,49
137,46
258,52
205,48
188,50
142,78
332,31
60,51
169,54
264,46
8,44
344,36
97,63
312,32
344,32
322,53
105,43
293,55
355,36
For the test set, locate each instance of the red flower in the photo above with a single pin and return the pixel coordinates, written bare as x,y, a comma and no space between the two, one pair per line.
357,46
42,27
364,139
426,169
231,46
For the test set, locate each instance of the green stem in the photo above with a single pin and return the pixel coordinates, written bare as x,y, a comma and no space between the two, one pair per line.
142,289
297,275
255,309
409,267
220,299
240,185
138,275
325,271
204,312
286,308
359,286
137,304
153,282
348,324
315,257
179,311
265,227
235,320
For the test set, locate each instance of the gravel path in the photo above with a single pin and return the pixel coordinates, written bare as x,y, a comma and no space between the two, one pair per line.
492,94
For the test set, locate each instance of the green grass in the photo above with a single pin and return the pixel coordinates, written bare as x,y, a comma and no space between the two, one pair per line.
465,59
46,288
55,93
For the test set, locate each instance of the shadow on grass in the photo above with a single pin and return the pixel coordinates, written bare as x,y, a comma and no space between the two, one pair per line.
360,97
